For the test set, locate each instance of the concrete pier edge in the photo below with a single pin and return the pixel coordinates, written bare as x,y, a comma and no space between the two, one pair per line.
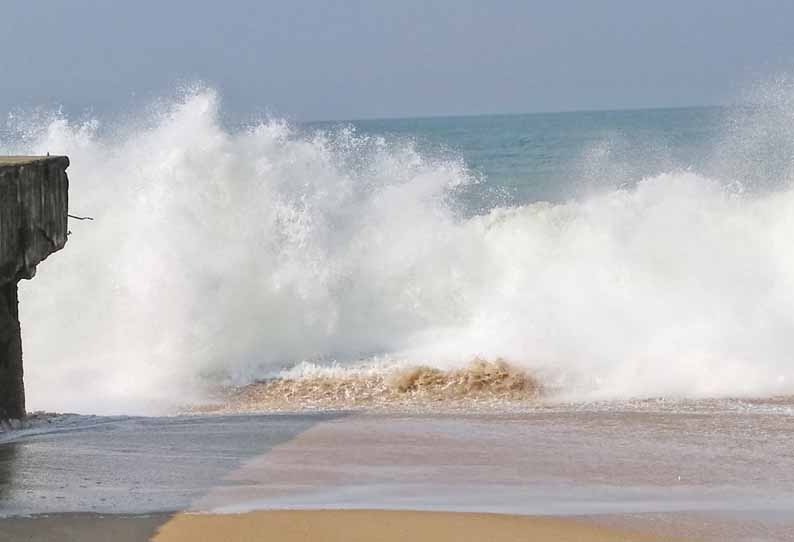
33,224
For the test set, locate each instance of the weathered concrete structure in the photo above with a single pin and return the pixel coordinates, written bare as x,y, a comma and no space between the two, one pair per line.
33,222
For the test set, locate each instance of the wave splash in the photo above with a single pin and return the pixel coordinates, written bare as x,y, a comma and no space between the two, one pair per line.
480,384
223,256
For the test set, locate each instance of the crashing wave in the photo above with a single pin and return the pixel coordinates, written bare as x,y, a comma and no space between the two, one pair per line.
480,384
224,255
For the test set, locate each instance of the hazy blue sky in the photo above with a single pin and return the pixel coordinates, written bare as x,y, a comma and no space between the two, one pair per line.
351,59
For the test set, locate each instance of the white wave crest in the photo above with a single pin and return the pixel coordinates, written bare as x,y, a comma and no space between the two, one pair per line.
231,255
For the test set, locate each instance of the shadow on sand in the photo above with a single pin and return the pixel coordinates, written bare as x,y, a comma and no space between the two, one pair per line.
121,479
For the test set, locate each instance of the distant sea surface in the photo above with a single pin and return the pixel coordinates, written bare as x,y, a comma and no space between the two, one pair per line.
552,156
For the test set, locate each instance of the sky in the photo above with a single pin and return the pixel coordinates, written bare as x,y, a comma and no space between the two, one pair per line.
314,60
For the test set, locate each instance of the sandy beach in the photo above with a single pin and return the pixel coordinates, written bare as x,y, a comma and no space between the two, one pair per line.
385,526
645,471
315,525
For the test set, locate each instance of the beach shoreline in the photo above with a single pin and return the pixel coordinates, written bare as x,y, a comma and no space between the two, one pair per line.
688,471
313,525
366,525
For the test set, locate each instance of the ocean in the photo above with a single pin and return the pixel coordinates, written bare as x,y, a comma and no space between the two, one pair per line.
612,255
553,157
584,314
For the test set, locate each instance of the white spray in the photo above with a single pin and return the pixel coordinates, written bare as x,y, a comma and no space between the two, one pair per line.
221,255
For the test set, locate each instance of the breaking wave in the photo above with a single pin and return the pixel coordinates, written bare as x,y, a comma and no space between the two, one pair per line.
480,384
222,257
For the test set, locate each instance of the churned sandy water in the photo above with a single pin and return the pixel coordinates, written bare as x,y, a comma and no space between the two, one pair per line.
478,385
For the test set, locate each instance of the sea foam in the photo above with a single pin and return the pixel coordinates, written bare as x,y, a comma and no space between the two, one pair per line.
223,256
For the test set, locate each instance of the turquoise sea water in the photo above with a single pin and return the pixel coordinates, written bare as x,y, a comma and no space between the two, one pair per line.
555,156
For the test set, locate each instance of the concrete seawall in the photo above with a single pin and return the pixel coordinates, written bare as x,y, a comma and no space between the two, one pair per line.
33,224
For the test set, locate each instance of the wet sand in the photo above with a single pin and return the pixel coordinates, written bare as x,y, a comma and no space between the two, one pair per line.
676,471
383,526
380,525
313,525
82,528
